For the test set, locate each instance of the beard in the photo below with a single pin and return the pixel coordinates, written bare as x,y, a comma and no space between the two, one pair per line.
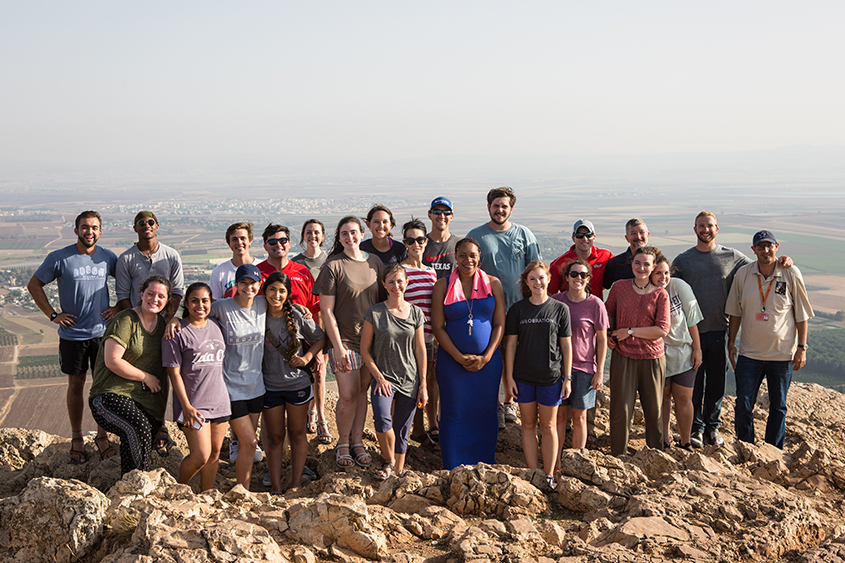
705,237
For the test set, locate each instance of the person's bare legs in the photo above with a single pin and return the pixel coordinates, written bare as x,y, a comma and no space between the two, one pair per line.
356,434
683,411
530,448
562,415
667,413
75,401
348,388
548,430
297,415
199,452
273,431
579,429
244,429
319,401
208,473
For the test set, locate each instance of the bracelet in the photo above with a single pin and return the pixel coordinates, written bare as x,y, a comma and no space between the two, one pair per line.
568,377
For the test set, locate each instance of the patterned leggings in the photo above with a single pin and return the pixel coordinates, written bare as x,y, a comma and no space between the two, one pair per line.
123,416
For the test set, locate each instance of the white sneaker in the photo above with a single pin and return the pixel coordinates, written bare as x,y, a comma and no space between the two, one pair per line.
235,447
259,455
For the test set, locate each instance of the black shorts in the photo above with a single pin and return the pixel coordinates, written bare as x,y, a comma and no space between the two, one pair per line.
77,356
247,407
218,420
273,399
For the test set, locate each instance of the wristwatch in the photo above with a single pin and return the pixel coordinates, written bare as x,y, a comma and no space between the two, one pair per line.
53,316
803,347
631,332
567,377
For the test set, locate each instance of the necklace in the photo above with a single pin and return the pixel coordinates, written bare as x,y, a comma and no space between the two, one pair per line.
469,317
638,287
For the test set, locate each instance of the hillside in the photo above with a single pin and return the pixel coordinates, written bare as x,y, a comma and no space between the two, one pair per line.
737,502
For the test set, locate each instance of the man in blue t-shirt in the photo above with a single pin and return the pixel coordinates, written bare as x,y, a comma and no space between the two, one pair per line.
506,249
81,271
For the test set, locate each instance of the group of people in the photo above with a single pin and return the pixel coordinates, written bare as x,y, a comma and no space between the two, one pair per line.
427,329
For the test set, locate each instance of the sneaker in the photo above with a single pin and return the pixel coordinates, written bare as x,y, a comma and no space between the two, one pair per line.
716,437
510,412
697,440
266,481
235,447
501,416
259,454
308,474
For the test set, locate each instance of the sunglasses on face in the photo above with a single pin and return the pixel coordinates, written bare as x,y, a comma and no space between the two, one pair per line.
146,222
445,212
583,235
280,241
419,240
582,275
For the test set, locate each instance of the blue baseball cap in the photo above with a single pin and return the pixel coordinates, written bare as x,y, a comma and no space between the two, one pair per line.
250,271
441,201
763,236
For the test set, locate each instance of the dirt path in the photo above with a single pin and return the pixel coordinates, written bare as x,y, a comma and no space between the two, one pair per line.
7,407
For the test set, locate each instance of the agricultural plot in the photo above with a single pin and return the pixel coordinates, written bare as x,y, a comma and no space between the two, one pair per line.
26,335
7,338
38,367
7,353
41,405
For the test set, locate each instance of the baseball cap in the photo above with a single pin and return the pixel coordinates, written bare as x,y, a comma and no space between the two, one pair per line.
250,271
763,236
583,223
441,201
142,214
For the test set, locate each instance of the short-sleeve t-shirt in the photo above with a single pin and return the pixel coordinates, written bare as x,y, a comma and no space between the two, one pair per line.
683,313
393,255
505,254
441,255
278,374
133,268
198,353
222,281
393,346
313,264
301,284
539,329
587,317
243,333
632,310
420,286
142,350
83,288
355,286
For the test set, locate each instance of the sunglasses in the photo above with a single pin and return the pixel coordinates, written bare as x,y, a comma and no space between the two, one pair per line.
446,212
281,241
582,275
583,235
419,240
146,222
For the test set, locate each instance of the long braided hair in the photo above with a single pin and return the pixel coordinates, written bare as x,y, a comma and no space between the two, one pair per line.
287,310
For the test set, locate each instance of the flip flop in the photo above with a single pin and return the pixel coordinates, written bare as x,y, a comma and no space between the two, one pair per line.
78,457
107,452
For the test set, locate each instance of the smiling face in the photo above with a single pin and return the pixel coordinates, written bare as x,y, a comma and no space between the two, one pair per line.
350,236
88,232
467,256
314,235
661,275
637,236
579,282
154,298
500,210
248,288
766,252
145,230
642,265
706,229
239,242
276,294
277,245
198,303
395,283
415,249
379,225
538,281
585,243
440,216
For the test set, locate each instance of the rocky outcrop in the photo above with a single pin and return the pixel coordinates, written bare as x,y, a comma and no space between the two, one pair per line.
737,502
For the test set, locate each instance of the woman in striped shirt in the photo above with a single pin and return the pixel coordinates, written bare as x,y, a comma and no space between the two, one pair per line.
421,280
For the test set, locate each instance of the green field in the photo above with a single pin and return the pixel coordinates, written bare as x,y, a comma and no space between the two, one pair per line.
21,244
7,338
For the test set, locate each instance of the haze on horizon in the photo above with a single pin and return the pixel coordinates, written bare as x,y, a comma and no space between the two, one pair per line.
157,87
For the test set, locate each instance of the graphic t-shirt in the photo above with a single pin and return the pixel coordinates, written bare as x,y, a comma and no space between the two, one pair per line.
441,256
539,329
243,332
223,280
278,374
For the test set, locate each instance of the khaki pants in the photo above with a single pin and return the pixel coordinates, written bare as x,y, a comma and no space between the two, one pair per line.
627,378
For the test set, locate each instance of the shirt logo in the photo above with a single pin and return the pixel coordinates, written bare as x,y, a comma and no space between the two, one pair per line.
780,288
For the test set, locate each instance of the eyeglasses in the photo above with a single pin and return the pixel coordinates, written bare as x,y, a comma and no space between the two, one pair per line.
446,212
582,275
146,222
419,240
583,235
280,241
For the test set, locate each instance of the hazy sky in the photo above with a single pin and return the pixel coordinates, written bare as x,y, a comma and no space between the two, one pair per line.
109,83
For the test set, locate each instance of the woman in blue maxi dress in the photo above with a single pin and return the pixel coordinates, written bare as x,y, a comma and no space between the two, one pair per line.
469,365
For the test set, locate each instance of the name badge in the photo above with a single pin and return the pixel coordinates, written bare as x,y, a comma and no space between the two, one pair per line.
762,317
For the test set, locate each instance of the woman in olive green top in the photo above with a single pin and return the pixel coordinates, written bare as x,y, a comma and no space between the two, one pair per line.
129,392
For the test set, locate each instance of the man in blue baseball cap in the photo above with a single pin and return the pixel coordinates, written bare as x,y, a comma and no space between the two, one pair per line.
440,250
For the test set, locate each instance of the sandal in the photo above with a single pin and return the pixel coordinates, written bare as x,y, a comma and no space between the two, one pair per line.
551,481
434,434
311,425
108,451
385,472
323,436
77,456
427,442
363,459
162,441
591,438
344,461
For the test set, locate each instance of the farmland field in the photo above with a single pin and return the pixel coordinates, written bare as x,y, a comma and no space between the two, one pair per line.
38,367
41,406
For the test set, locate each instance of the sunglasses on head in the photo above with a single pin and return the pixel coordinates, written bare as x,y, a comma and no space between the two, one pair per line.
419,240
583,235
582,275
145,222
281,241
445,212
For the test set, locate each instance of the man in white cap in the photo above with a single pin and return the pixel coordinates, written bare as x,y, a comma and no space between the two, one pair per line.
584,238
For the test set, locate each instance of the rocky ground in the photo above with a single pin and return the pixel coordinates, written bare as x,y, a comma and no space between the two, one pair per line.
736,502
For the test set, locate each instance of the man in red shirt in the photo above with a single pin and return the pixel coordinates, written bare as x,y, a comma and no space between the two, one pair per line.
583,235
277,245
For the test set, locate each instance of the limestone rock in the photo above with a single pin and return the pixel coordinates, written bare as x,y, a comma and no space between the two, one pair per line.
486,490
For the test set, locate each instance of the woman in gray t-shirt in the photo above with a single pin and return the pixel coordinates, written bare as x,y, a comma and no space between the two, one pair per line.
393,348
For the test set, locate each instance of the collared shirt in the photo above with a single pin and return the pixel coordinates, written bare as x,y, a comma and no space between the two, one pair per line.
599,257
774,339
133,268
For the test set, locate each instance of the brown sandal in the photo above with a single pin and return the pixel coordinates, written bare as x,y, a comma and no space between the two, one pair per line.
107,452
77,456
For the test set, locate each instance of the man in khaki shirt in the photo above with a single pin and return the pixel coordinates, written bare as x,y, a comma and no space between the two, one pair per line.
770,304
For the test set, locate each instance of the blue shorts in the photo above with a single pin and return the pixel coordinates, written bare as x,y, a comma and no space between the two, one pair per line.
273,399
581,397
546,395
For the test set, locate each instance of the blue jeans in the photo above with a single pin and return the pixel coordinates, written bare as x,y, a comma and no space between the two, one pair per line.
749,377
710,382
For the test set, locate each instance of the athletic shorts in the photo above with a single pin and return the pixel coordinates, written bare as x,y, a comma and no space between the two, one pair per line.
684,379
273,399
247,407
218,420
355,358
77,356
581,397
546,395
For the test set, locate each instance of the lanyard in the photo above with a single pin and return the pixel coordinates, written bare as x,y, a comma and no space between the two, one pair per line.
763,298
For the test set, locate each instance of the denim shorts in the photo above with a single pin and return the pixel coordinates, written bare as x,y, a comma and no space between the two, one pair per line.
581,397
546,395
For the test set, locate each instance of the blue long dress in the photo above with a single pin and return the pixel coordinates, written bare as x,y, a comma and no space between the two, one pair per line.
469,426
